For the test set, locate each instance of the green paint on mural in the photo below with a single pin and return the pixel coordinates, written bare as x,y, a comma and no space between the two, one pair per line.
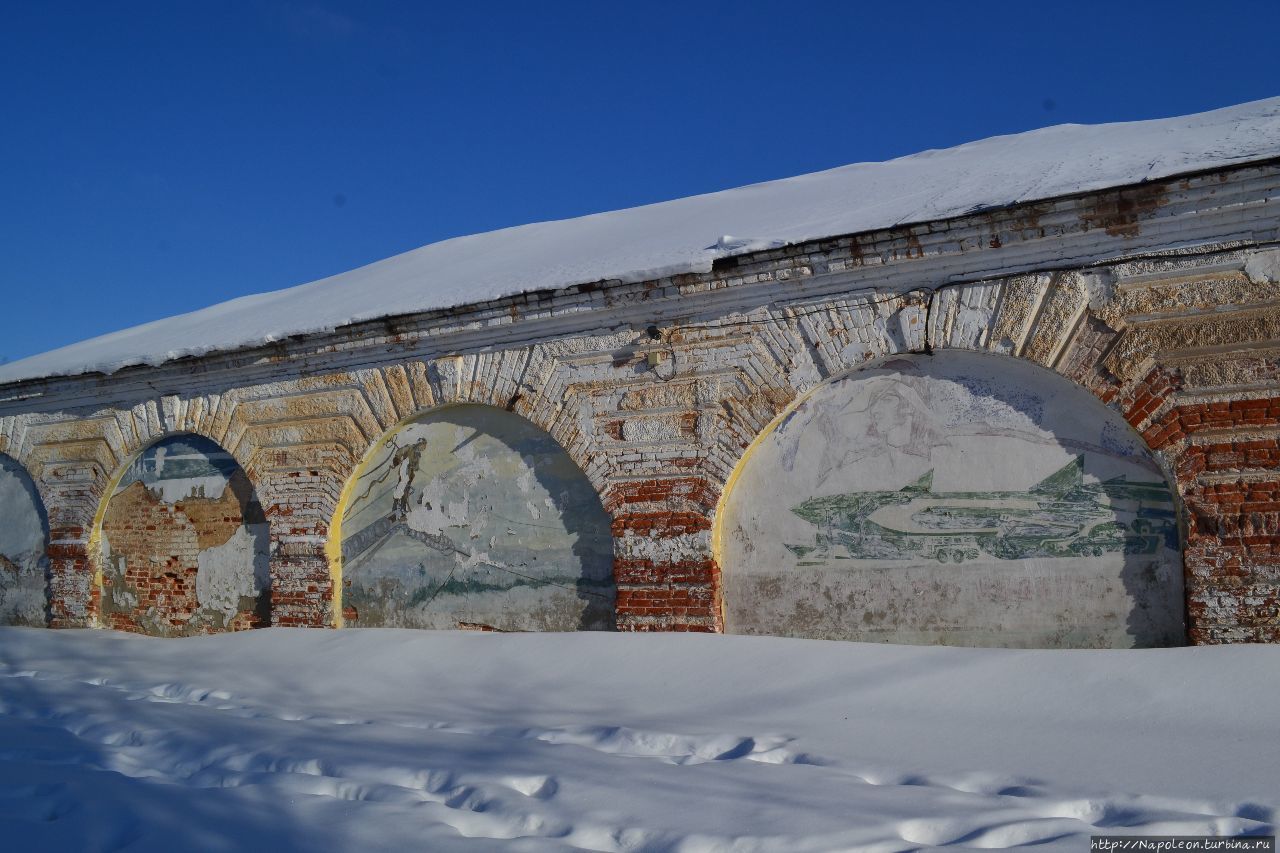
1060,516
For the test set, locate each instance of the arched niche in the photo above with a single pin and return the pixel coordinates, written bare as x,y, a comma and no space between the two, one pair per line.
962,498
24,538
184,546
469,516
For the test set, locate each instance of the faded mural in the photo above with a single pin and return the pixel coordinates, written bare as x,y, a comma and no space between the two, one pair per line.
185,546
964,499
24,582
472,517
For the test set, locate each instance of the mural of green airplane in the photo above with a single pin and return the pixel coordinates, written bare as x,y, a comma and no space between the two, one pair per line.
1061,516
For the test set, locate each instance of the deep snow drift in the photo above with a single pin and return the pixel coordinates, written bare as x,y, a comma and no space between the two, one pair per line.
412,740
686,235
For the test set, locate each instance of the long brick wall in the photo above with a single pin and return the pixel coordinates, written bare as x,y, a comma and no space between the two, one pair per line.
1168,312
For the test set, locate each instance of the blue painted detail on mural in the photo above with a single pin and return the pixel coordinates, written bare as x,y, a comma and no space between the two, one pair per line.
987,400
470,516
1118,440
184,466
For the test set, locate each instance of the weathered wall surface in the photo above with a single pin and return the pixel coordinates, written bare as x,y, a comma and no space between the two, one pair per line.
472,517
1162,301
184,544
954,498
24,584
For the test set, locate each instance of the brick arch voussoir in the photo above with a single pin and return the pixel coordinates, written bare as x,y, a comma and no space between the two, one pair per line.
240,455
1069,333
1079,345
523,381
1057,321
438,392
131,449
75,506
1047,319
506,380
70,460
797,349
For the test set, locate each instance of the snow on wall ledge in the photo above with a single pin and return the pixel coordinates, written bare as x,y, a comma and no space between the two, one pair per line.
688,234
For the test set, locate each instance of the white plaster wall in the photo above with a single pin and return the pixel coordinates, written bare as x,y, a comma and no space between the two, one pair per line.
234,571
473,516
996,540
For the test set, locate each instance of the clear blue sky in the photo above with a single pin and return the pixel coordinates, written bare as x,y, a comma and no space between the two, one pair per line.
162,156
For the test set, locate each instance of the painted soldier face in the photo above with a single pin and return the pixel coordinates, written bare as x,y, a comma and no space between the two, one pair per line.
886,413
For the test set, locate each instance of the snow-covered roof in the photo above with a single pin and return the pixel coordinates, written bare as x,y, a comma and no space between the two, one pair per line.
687,235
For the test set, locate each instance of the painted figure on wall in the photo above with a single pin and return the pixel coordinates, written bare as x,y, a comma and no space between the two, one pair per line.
185,545
963,498
471,517
894,421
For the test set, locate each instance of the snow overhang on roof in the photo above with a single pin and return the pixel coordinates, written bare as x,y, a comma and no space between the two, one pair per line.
687,235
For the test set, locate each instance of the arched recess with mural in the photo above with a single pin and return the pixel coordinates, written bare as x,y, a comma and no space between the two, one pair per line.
960,498
470,516
181,543
24,540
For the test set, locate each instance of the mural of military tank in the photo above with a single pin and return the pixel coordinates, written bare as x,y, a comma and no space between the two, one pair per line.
1061,516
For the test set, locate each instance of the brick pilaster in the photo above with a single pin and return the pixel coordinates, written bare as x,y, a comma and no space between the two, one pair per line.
666,575
73,599
1227,462
302,593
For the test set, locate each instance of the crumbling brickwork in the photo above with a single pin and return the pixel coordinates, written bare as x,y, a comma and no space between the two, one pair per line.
1161,300
151,557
